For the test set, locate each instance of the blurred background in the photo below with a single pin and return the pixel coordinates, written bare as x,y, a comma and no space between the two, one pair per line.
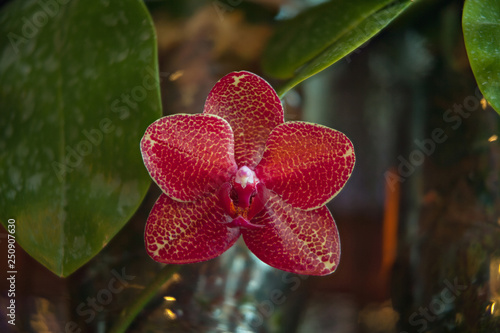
419,220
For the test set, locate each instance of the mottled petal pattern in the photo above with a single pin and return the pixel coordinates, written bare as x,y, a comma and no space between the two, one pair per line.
187,232
295,240
238,169
306,164
189,155
252,108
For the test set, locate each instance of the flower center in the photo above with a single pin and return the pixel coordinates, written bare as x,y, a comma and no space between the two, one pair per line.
245,183
242,198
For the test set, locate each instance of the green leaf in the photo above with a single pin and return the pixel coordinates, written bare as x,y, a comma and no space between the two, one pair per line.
322,35
481,25
78,87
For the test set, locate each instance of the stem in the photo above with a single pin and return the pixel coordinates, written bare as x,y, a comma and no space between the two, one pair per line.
283,88
129,313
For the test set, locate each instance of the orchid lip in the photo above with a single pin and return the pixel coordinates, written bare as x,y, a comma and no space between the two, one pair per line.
242,199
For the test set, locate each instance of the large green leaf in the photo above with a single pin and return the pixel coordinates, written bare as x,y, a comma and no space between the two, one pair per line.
322,35
78,87
481,25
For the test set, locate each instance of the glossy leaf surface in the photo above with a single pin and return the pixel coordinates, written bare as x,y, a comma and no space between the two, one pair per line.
481,26
322,35
78,88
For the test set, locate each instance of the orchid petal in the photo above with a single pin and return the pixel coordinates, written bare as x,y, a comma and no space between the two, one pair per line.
306,164
188,232
252,108
189,155
295,240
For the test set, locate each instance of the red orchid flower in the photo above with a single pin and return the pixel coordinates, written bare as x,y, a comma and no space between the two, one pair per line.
239,169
